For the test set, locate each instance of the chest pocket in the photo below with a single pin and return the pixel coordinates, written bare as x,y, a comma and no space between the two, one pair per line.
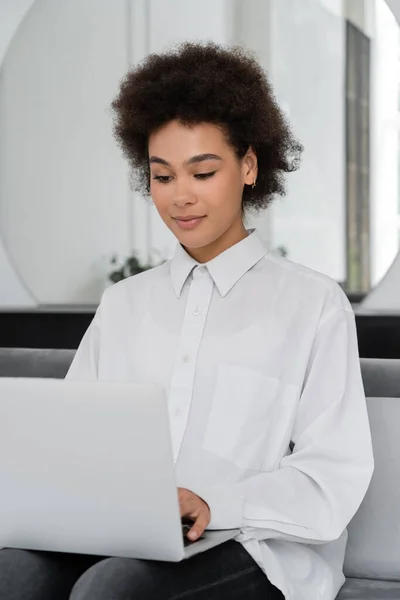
251,418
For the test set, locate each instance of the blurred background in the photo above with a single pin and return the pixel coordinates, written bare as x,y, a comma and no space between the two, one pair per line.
68,218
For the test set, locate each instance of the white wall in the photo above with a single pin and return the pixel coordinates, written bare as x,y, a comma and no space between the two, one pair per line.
12,13
302,46
336,7
308,75
13,290
68,205
63,185
386,295
252,22
168,23
361,13
65,203
385,147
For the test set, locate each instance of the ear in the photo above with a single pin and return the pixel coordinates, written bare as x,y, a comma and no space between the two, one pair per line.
250,166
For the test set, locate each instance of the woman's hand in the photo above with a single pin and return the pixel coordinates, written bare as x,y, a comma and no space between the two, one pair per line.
195,509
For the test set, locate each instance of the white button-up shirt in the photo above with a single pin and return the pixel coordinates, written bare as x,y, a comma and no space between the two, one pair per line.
268,418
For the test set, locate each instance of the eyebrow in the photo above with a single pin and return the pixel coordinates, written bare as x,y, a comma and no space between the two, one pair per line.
195,159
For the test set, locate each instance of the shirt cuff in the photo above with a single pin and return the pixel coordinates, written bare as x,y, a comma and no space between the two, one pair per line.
226,506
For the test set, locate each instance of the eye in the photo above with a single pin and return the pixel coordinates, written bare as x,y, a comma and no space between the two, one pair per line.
205,175
162,178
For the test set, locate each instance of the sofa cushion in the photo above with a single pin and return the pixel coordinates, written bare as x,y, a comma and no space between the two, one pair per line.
369,589
373,548
31,362
381,377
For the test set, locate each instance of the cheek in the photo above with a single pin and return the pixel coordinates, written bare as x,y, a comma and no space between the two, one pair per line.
160,197
227,194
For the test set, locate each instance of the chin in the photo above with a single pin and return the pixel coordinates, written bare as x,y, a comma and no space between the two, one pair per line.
194,239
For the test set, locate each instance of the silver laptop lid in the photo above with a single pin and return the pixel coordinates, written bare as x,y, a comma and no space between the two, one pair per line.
86,467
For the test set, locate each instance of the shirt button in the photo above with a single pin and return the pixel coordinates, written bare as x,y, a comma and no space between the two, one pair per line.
186,358
178,412
196,311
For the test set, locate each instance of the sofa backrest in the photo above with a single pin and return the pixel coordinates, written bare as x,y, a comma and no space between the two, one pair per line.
373,549
33,362
381,377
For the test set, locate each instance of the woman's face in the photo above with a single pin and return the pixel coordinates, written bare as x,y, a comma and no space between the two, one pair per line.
196,182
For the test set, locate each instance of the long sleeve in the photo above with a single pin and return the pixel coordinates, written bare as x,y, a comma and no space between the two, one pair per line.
318,488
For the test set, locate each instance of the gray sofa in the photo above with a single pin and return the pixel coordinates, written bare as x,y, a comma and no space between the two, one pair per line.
372,564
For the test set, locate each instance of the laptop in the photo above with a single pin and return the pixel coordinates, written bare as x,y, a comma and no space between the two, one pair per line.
87,468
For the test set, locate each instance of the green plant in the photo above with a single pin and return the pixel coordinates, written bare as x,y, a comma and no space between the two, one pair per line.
130,266
282,251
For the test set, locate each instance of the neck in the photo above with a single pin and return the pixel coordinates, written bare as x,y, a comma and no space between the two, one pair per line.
231,237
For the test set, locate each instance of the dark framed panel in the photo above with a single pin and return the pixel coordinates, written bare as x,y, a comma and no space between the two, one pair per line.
378,334
358,59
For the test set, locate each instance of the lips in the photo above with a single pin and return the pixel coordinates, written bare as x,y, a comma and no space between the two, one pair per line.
189,217
189,222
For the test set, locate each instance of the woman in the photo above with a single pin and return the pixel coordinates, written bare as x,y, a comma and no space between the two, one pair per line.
258,355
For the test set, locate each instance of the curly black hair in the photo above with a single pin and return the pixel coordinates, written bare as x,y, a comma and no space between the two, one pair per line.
205,82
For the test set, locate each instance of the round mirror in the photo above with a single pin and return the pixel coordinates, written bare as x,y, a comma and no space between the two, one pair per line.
66,207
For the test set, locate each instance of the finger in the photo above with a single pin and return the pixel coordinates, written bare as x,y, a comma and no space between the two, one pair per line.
199,526
187,505
184,507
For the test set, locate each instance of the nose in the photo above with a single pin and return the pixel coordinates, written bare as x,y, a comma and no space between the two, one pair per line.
183,194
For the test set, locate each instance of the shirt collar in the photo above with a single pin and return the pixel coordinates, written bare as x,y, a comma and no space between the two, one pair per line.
226,269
